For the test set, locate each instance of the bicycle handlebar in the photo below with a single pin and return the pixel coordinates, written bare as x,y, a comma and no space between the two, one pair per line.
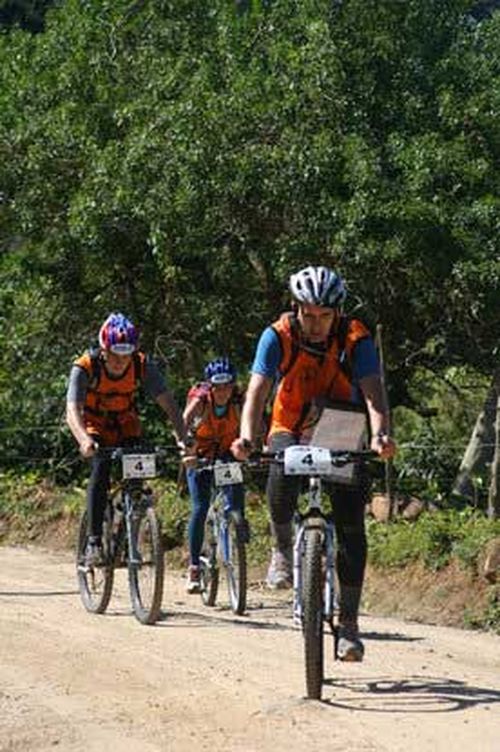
339,458
117,452
343,455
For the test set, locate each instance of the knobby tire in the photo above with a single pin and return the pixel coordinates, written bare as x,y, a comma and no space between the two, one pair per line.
236,566
209,570
146,577
95,583
312,618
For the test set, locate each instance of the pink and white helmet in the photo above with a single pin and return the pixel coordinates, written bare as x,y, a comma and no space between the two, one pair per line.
118,335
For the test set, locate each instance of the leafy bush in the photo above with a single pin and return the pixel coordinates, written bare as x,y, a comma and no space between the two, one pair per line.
434,433
490,616
433,539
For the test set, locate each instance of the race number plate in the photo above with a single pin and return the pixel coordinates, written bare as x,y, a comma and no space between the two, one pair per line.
139,465
227,473
307,460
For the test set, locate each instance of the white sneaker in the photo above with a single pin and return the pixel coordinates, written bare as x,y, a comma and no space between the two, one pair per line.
279,574
193,579
349,647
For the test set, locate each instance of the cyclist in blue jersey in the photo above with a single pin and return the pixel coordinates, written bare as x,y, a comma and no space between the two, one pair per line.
315,354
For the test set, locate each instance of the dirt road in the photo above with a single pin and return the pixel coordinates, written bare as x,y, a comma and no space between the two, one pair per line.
202,679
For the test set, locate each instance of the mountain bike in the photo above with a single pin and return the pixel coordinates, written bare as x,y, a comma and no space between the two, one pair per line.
314,552
131,539
224,541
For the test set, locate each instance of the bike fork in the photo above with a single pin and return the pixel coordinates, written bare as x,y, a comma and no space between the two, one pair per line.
131,517
224,541
297,574
329,597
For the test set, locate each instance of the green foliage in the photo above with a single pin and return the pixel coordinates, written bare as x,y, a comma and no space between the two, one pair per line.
257,513
433,539
173,509
30,506
178,159
489,618
433,433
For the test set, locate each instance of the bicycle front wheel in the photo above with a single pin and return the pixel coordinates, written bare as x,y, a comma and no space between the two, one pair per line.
95,583
145,572
209,570
312,614
236,563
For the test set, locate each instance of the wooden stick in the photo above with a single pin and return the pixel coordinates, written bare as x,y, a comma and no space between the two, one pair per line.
388,465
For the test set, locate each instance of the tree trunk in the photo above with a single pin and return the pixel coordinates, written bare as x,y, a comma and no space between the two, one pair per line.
494,494
480,449
388,464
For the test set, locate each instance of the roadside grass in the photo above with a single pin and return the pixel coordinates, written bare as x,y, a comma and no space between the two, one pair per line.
433,539
34,510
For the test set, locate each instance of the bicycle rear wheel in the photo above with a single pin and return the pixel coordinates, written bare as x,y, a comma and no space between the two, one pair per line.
236,563
145,574
209,570
312,614
95,583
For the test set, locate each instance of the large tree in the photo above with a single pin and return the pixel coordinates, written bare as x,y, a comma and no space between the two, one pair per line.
178,159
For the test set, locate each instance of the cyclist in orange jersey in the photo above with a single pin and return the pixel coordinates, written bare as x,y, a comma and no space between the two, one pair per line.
101,409
212,415
315,353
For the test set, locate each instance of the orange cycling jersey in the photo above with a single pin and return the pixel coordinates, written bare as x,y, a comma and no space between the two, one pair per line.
306,376
110,411
215,435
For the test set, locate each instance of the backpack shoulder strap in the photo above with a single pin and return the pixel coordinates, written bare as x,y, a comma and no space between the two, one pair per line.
95,364
139,360
349,326
287,366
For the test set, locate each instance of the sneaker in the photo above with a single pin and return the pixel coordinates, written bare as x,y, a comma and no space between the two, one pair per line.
349,646
93,553
279,574
193,584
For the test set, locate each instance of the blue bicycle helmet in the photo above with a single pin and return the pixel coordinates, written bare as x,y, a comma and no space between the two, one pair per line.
220,371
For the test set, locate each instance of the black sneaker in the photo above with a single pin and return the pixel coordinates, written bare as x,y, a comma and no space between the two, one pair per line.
349,646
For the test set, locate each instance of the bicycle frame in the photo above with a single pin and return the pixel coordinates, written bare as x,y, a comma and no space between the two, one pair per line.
314,517
136,498
219,515
131,539
314,552
224,540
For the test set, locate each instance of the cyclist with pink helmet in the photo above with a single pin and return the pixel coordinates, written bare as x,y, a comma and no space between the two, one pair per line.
101,408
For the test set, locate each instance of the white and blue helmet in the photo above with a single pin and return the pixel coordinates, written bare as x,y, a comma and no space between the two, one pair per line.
318,285
220,371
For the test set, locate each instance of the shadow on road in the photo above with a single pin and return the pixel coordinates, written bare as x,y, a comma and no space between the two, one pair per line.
35,593
416,694
389,637
220,618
